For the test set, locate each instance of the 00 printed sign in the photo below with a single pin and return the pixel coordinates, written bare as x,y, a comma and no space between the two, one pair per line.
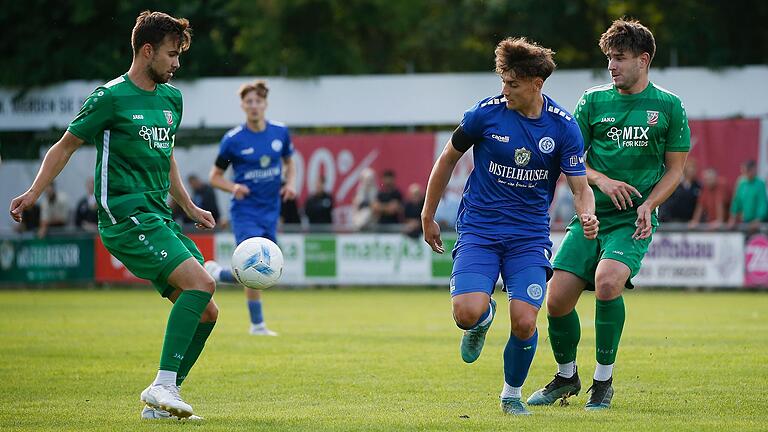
342,158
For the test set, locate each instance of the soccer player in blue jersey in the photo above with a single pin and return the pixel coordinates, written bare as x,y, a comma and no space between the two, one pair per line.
260,152
522,140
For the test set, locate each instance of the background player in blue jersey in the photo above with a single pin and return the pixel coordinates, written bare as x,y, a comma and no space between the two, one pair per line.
522,140
259,151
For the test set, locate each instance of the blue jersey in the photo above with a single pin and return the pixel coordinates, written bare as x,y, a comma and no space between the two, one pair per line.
517,163
256,159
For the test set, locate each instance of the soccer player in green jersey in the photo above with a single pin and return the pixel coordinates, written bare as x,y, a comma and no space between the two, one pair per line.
132,120
636,138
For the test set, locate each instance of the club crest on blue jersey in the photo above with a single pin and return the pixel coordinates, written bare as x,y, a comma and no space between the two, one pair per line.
546,145
264,161
522,156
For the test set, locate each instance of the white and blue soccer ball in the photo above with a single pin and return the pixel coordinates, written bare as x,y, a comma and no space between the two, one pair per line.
257,263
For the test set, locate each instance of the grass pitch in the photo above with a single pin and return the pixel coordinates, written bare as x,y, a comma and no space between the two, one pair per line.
372,359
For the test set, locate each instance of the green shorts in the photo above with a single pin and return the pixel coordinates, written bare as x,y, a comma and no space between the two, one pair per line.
580,256
150,247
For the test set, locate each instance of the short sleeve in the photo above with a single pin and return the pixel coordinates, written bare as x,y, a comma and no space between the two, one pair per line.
224,158
288,146
581,114
678,132
95,115
470,124
572,151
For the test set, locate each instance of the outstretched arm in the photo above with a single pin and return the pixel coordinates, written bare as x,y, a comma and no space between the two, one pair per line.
55,160
438,180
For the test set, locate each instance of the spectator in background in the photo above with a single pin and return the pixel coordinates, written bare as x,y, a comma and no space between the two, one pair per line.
319,204
749,203
365,196
30,219
86,213
679,207
448,210
203,196
54,211
389,201
412,211
712,203
289,210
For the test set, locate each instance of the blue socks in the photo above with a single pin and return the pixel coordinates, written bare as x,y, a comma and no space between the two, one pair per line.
518,355
226,276
254,307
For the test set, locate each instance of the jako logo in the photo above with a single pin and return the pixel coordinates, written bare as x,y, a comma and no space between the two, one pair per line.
608,119
500,138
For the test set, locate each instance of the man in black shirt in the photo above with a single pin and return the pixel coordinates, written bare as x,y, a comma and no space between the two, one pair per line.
203,197
389,200
681,204
319,205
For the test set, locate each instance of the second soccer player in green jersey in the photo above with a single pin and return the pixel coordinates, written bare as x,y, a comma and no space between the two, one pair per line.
636,138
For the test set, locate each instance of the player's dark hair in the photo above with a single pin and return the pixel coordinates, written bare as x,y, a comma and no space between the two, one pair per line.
259,86
628,35
152,28
526,59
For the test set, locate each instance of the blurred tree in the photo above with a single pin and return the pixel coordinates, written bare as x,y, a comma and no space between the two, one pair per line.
46,41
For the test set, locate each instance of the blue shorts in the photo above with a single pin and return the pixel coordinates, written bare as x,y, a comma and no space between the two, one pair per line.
246,231
524,270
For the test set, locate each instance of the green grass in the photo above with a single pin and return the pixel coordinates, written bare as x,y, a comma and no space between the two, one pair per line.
373,359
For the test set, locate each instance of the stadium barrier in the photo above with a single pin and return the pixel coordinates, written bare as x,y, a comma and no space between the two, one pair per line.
675,259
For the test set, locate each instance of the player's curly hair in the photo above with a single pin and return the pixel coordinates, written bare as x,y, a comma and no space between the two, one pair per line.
628,35
259,86
152,27
526,59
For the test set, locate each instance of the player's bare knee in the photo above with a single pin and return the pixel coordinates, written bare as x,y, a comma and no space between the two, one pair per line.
465,315
524,327
556,307
206,284
607,289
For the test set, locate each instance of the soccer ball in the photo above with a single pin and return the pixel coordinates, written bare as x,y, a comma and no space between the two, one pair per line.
257,263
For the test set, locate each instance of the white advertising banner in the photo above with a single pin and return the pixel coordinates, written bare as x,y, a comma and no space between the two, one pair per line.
693,259
382,259
673,259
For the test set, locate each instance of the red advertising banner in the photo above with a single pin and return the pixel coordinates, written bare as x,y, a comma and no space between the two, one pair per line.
110,269
724,145
341,159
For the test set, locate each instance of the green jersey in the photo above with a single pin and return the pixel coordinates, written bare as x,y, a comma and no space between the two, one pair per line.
134,132
626,138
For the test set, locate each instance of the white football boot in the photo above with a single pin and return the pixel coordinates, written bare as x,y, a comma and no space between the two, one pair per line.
166,398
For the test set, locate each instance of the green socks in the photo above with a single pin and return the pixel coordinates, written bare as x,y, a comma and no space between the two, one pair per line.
182,326
204,330
564,335
609,322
